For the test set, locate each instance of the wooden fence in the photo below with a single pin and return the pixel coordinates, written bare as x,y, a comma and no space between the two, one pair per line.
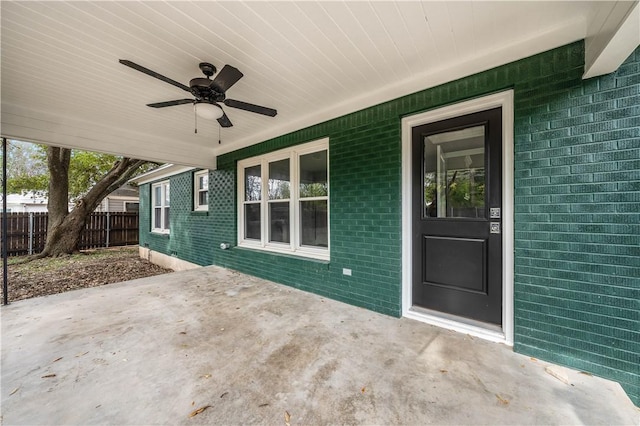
27,232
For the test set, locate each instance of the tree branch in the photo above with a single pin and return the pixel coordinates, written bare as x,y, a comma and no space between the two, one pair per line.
114,179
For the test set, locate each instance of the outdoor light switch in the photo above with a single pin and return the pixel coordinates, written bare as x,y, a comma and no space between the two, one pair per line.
346,272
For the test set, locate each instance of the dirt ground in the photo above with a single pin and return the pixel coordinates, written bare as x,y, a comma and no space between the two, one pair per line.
89,268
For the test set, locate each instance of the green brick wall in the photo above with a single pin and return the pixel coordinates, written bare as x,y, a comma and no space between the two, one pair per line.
577,188
191,234
577,241
365,226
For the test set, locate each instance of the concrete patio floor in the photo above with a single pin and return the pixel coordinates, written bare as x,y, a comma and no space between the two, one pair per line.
154,350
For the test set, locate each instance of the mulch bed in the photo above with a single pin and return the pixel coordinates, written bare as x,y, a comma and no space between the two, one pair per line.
90,268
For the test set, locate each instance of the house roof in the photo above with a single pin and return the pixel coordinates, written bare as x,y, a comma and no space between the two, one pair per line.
125,190
62,83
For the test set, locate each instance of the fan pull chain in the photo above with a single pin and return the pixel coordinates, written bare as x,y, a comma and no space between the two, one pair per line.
195,116
219,140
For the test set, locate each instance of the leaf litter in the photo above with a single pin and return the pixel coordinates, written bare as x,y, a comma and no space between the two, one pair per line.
198,411
89,268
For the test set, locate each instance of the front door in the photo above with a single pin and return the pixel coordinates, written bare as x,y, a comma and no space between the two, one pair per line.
456,216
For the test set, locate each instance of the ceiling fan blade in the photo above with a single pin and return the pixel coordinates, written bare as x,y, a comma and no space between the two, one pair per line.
154,74
170,103
224,121
227,77
250,107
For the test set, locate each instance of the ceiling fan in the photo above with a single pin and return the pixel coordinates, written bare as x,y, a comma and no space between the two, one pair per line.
206,92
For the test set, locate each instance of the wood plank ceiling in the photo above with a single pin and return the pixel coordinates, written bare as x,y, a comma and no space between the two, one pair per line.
312,61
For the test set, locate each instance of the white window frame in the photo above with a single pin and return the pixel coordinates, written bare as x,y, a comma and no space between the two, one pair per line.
196,191
293,247
163,205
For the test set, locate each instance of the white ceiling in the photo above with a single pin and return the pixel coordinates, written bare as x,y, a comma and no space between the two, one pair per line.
312,61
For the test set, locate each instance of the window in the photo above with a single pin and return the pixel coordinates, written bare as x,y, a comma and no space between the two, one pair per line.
284,201
201,190
131,206
160,202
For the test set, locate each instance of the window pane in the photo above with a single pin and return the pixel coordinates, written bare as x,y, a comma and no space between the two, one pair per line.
166,195
203,198
157,197
454,178
279,187
203,182
279,222
166,218
157,213
131,207
313,175
252,183
252,221
313,223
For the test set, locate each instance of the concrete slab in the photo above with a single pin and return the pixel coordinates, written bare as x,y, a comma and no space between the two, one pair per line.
154,350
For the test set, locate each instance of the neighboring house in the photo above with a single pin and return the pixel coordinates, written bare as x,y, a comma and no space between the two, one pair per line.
26,202
123,199
503,205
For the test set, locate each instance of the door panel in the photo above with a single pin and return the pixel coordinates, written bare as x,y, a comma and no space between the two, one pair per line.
457,182
458,263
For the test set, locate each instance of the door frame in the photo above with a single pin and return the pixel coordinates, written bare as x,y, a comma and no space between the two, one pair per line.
502,334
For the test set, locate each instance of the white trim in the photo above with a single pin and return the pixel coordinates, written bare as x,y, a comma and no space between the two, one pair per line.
197,207
293,247
617,36
504,100
162,172
163,205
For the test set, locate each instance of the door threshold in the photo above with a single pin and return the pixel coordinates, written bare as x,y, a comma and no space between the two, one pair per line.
483,330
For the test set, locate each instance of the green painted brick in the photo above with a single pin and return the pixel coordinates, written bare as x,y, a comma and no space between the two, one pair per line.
577,158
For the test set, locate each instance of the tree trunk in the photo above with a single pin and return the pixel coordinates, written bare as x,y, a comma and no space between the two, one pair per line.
65,228
58,160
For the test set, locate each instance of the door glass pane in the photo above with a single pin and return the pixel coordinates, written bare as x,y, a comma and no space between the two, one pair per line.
279,186
166,195
313,223
252,221
313,175
279,222
252,183
454,174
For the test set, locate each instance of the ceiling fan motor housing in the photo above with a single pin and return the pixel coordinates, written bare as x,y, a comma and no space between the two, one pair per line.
207,68
202,88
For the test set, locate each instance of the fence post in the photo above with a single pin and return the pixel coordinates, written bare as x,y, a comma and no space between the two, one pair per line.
30,233
108,228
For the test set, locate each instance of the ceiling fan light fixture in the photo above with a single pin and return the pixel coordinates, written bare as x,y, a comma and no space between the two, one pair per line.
208,110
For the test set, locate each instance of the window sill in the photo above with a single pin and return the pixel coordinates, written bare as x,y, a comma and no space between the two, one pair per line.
325,260
164,234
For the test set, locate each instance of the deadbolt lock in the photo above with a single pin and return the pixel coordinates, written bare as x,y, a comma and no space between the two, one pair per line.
495,227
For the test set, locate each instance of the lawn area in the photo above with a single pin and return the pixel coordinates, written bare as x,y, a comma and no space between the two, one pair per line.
88,268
